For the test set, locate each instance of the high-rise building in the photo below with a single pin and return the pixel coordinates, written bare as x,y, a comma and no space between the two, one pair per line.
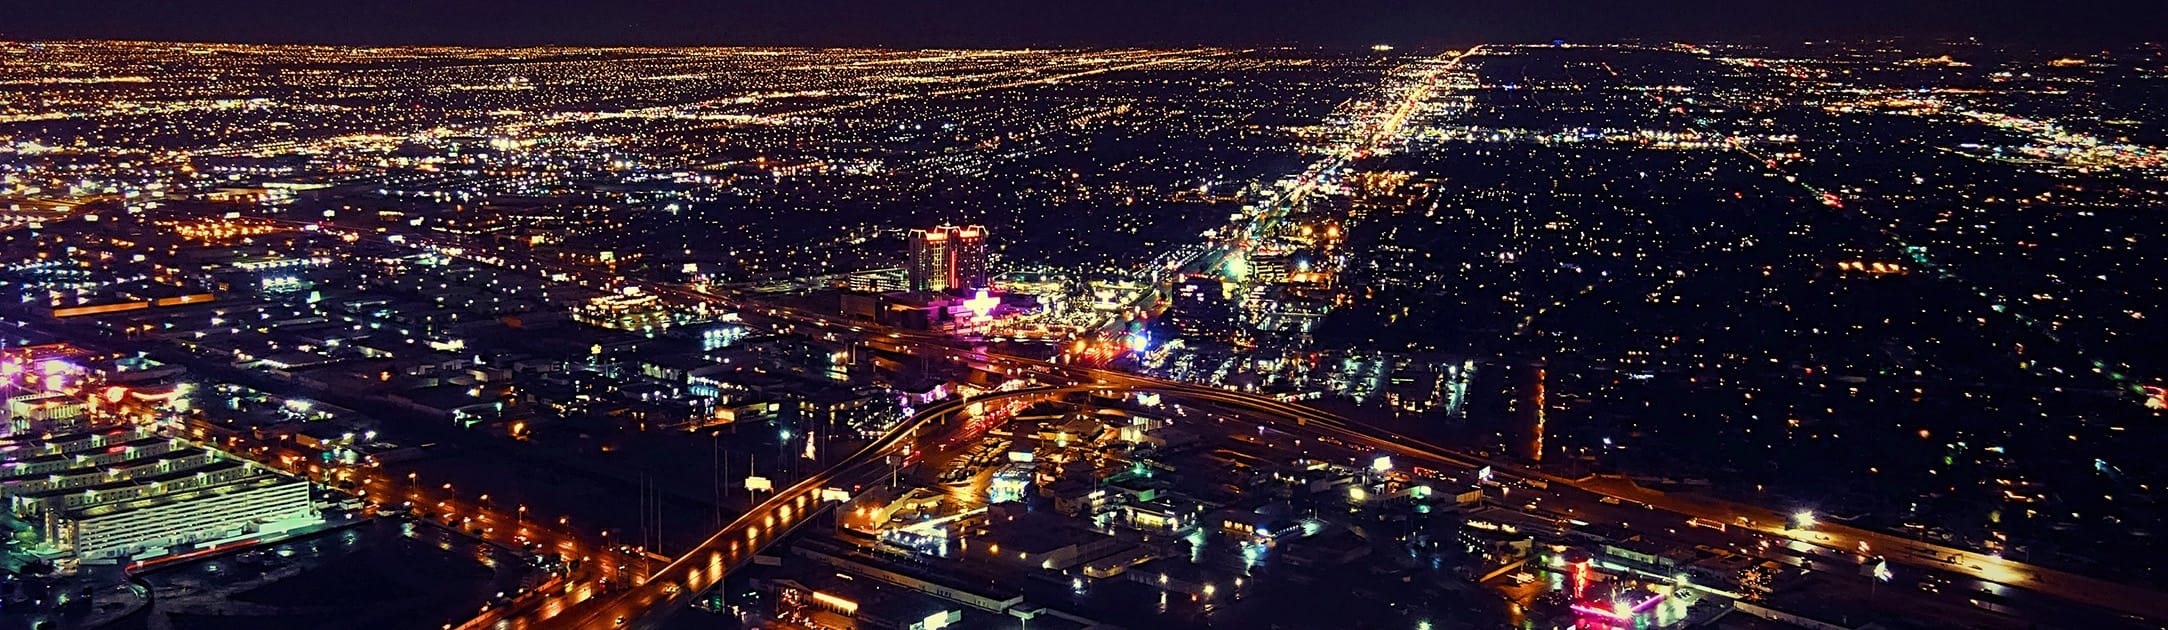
929,270
948,257
969,243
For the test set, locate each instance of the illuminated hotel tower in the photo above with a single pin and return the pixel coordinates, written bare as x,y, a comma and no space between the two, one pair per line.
948,257
929,260
969,247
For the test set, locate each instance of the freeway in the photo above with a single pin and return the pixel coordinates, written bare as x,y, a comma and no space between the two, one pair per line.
1590,492
1588,495
673,586
2116,596
2122,598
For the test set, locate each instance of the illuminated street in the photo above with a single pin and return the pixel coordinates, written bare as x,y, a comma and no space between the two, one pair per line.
1596,316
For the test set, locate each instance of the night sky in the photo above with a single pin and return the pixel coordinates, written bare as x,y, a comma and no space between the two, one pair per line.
1101,23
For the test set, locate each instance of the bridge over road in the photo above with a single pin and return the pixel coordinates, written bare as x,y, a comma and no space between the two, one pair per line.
675,585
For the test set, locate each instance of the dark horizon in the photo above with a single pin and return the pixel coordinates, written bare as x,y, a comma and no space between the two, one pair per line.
1129,314
980,23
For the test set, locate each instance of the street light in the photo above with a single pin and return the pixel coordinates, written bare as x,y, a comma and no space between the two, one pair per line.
1804,519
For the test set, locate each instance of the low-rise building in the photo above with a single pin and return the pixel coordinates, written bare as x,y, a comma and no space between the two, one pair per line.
123,495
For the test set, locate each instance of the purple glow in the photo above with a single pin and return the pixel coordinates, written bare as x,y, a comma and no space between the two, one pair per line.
1646,603
1637,608
983,305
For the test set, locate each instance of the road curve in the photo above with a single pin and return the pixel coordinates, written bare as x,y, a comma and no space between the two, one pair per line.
673,586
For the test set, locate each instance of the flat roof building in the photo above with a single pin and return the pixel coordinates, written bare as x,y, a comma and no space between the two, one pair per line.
120,495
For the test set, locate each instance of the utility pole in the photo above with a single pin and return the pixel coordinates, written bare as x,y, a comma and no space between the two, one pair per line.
643,509
715,452
657,516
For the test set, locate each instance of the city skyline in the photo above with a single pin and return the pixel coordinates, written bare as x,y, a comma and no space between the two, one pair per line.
1529,332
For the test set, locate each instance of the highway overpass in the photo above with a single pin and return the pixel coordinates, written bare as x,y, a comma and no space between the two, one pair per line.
674,587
